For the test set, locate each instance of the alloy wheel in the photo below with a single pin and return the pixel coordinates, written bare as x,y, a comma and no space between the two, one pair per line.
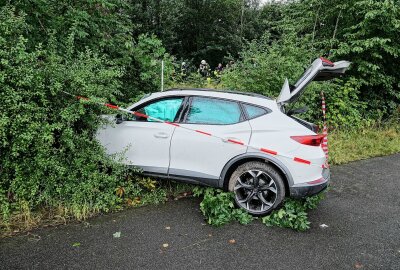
255,191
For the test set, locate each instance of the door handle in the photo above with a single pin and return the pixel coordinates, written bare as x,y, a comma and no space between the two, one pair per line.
161,135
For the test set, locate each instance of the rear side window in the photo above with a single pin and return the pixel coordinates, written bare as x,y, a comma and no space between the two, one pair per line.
164,109
213,111
254,111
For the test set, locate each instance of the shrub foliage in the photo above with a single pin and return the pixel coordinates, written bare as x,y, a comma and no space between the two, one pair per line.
218,207
48,155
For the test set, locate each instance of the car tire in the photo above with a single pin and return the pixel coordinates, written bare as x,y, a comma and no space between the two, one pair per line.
258,187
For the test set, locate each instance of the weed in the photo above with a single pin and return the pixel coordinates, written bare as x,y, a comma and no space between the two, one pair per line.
293,214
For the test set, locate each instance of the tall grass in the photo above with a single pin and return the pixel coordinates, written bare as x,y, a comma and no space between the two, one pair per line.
349,145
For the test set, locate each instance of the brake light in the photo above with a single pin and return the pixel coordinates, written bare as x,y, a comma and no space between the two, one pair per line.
313,140
326,62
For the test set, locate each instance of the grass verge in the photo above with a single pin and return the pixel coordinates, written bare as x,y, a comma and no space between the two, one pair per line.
351,145
139,191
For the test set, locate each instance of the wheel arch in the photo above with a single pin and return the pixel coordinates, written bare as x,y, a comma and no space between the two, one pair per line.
231,166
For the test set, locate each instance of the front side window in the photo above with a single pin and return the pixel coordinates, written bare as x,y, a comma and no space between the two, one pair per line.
164,109
213,111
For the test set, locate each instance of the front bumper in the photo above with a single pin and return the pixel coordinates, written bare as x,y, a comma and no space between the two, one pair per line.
306,190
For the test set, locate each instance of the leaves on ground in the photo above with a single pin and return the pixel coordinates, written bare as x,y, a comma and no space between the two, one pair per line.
218,208
293,213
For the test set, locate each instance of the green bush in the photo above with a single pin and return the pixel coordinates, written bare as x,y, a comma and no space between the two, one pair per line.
343,106
218,207
265,64
293,214
147,55
48,155
364,32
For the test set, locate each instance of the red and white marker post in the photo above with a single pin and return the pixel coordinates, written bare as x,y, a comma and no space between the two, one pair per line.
324,144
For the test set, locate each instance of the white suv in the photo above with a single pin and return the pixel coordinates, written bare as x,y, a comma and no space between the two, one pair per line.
242,142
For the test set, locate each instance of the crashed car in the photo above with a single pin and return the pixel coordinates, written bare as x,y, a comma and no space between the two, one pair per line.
246,143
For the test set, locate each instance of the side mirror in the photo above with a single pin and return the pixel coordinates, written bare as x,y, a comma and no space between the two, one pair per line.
119,119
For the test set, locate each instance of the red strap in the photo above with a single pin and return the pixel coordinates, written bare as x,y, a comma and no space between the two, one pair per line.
302,160
202,132
233,141
114,107
268,151
173,124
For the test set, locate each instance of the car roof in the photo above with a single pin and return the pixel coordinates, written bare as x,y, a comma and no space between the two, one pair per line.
246,97
220,91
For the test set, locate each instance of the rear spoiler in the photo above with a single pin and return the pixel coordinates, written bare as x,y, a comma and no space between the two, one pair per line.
320,70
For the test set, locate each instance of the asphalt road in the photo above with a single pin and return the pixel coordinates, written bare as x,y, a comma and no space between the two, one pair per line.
362,212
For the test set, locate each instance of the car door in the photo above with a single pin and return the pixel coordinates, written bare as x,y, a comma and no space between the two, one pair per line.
144,142
199,156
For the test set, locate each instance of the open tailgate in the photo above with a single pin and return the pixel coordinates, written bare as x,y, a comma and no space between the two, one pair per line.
320,70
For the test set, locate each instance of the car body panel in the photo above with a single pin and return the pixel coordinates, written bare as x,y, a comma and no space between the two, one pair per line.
309,189
273,131
134,138
206,154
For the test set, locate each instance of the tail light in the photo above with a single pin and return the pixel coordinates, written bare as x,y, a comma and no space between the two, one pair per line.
326,62
313,140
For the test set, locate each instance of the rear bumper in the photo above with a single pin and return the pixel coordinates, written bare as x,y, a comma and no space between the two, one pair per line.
306,190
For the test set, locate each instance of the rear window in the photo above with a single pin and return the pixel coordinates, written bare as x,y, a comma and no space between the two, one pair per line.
254,111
